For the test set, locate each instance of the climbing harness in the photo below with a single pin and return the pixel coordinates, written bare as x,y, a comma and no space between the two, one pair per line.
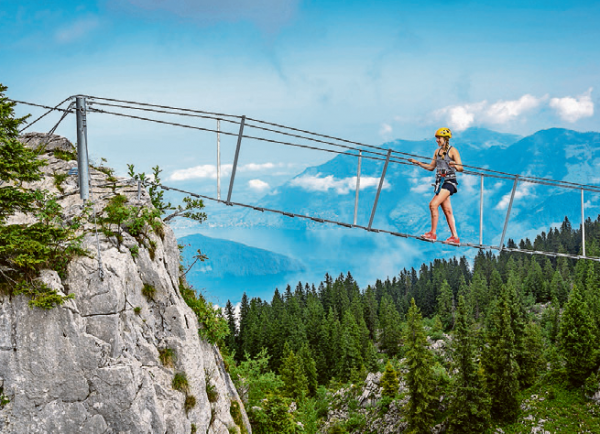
445,172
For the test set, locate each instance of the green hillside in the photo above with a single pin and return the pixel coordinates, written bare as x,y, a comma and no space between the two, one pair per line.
509,341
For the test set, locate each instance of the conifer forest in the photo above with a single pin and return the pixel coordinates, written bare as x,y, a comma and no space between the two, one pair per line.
508,343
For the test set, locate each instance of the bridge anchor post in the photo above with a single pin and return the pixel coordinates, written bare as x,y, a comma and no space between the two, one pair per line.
82,151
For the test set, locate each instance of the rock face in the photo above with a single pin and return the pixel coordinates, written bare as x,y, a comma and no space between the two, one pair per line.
92,365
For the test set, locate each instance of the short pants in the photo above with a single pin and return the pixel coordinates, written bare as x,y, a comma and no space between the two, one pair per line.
451,187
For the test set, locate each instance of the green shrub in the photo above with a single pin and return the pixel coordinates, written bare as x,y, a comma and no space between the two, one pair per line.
148,291
3,399
41,295
190,402
194,429
137,310
236,414
59,178
152,249
180,382
135,251
211,392
166,356
355,421
214,327
337,429
65,155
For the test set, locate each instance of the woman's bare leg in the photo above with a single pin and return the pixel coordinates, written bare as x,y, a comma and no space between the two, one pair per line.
447,208
437,200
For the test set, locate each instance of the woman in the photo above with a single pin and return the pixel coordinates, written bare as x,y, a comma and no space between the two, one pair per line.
446,160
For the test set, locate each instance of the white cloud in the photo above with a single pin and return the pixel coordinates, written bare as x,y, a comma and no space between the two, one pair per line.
572,109
209,171
206,171
422,184
523,190
340,186
502,112
255,167
258,185
76,30
385,131
461,117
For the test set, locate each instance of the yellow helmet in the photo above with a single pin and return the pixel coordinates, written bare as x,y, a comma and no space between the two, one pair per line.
444,132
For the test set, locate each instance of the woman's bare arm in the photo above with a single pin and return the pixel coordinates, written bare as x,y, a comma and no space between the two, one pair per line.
430,166
457,163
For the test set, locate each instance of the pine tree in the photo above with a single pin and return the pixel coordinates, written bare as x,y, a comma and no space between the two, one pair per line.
445,306
576,339
371,316
495,285
420,377
293,377
232,337
558,288
350,357
500,365
480,295
309,367
19,164
25,249
532,359
391,332
470,404
389,381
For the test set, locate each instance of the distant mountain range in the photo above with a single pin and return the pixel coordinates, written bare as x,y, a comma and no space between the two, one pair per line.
328,191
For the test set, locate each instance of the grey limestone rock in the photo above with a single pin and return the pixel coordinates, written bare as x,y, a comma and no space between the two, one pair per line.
92,365
51,142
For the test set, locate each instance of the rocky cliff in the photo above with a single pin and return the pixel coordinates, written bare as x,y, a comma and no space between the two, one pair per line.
116,358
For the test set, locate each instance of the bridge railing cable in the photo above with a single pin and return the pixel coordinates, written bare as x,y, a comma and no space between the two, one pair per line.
319,142
399,157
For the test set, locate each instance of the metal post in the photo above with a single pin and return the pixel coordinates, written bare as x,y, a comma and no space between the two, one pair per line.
481,212
582,224
82,154
512,196
357,186
139,194
387,160
218,160
235,159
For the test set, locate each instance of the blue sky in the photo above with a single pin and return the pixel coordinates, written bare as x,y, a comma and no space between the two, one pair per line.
367,71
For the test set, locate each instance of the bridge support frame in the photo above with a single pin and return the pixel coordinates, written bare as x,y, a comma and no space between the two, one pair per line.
481,212
582,224
357,187
387,160
235,159
218,159
512,197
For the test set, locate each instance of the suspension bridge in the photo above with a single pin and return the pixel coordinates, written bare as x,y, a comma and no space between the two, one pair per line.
243,128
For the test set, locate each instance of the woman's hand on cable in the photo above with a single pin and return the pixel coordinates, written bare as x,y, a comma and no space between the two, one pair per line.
456,165
412,160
